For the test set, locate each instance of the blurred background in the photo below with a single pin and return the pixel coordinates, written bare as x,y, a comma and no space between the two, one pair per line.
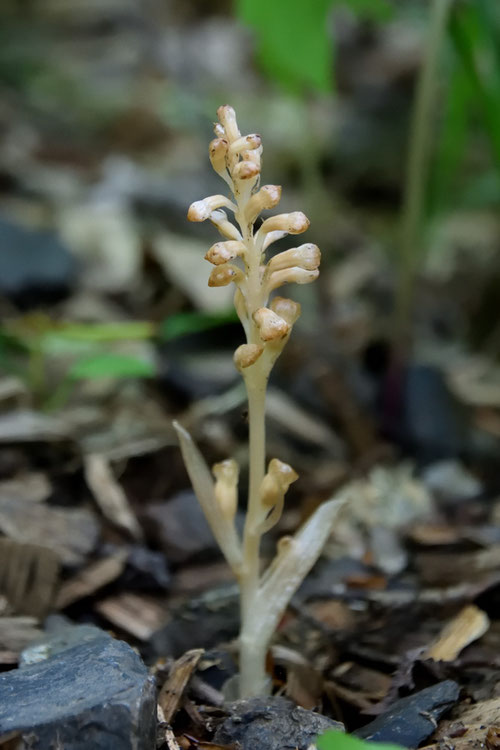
380,119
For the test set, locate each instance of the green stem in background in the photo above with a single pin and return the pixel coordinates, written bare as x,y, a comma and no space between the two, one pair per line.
421,128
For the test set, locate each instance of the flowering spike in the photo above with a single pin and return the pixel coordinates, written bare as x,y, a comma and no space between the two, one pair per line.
267,325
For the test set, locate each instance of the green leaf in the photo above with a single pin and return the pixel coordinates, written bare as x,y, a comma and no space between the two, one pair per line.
333,740
374,10
194,322
293,45
111,366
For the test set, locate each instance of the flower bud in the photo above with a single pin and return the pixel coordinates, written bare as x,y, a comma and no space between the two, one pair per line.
219,219
283,472
226,494
267,197
217,151
227,118
306,256
246,354
224,275
222,252
293,275
245,170
201,210
293,223
276,482
286,309
271,326
245,143
270,491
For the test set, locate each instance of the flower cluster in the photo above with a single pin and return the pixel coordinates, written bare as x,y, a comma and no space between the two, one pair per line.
240,258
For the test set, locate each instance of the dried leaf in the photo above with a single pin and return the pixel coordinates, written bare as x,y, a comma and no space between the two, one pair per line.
28,577
91,579
293,563
203,485
171,693
470,624
109,495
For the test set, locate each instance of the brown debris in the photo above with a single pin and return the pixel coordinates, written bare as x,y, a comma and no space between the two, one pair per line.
90,579
109,495
16,633
28,577
470,727
469,625
172,691
70,532
136,615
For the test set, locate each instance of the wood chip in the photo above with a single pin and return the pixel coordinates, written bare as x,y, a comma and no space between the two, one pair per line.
109,495
137,615
91,579
69,532
18,632
469,625
471,727
172,691
28,577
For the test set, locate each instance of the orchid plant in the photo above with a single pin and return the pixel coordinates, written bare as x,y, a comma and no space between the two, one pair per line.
240,259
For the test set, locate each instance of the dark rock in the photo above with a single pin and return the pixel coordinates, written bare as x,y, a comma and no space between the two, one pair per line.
180,527
204,622
34,265
411,720
60,635
272,724
95,695
146,570
420,413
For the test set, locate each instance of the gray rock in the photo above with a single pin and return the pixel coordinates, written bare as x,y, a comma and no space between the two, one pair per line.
204,622
411,720
272,724
61,634
95,695
33,264
180,527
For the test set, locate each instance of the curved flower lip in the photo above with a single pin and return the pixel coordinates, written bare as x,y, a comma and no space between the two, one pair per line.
222,252
224,275
245,143
246,355
201,210
227,118
267,197
306,256
219,219
245,170
294,275
217,152
286,308
293,223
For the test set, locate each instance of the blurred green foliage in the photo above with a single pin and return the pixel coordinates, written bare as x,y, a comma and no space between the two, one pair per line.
333,740
184,323
471,109
294,45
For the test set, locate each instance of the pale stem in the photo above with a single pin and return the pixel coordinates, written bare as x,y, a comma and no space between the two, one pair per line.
252,649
